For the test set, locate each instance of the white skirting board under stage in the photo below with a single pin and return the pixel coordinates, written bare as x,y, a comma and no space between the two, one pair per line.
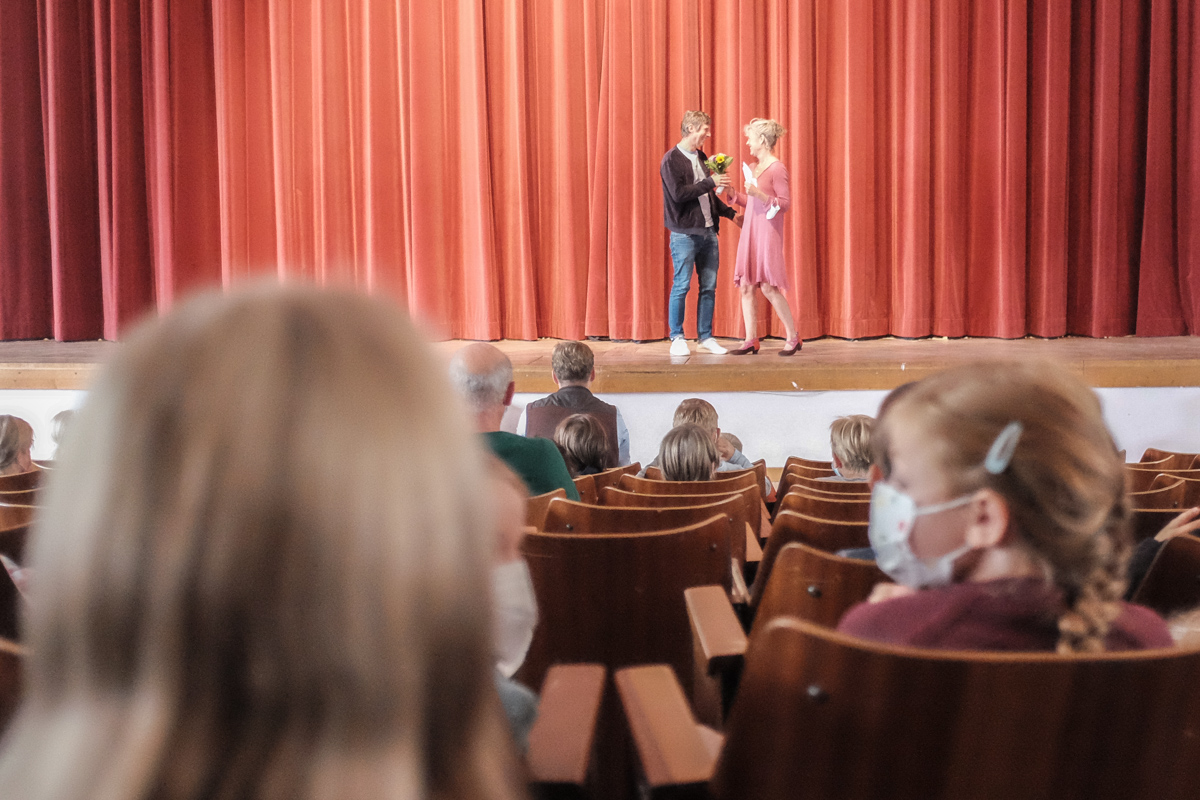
771,425
775,425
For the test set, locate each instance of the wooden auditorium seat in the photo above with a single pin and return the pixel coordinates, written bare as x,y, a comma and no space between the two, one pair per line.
20,497
617,598
1145,523
820,714
753,510
739,480
793,478
845,507
610,477
811,463
21,481
14,516
1165,492
805,582
536,506
1172,583
563,737
1173,460
586,486
567,516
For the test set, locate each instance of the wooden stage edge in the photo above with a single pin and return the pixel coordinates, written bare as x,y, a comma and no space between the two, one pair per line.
823,365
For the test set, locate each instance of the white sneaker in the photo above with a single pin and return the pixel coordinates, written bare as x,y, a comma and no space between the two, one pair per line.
679,347
713,346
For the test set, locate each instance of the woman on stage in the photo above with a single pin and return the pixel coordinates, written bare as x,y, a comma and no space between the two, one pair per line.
760,249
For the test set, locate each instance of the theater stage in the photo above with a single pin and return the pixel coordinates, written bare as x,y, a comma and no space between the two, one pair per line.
823,365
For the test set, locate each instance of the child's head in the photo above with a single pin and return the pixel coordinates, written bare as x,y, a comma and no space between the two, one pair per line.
16,441
1058,505
698,412
688,453
583,443
727,445
850,438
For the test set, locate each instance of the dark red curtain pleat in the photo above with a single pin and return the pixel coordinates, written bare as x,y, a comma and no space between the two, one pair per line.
25,250
997,168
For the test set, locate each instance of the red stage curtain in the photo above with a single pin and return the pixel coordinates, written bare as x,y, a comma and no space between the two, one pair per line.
987,168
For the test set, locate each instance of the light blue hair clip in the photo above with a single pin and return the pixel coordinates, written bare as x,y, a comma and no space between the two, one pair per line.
1000,454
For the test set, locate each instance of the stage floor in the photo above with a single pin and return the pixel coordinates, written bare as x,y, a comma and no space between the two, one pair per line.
823,365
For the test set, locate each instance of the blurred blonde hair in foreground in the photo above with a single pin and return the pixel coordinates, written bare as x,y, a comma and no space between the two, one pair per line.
247,586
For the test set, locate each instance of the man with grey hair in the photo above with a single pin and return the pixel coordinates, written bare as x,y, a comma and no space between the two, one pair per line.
483,376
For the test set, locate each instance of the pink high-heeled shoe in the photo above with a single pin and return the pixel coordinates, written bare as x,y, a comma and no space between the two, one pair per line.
791,346
748,348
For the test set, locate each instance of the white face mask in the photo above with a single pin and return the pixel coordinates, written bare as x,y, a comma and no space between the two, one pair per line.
892,516
515,614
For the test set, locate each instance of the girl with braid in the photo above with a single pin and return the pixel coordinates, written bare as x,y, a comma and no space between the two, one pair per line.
1002,516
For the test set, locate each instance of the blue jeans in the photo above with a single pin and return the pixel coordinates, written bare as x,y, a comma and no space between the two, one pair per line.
699,249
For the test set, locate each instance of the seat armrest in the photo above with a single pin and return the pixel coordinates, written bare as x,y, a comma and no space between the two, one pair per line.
560,743
719,635
670,747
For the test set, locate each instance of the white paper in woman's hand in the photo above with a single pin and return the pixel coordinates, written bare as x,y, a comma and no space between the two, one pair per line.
749,173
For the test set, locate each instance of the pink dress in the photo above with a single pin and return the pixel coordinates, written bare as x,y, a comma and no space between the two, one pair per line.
760,248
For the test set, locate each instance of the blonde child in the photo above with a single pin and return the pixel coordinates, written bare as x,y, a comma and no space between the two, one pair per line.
1002,515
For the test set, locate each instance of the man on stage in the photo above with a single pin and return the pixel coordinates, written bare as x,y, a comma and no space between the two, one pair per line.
692,212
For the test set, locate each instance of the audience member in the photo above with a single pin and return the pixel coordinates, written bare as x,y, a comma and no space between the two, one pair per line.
514,605
727,445
581,439
58,425
247,586
701,412
573,367
16,445
850,439
1003,517
484,378
688,453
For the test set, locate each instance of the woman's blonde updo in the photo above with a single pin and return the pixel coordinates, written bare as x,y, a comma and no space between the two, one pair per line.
1065,485
768,129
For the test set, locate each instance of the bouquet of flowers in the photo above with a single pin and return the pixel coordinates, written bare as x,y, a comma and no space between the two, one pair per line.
718,164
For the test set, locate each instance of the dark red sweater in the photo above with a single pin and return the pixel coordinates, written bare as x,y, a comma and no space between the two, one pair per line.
1018,614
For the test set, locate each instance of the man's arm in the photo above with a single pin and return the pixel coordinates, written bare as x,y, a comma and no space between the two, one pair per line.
622,441
678,184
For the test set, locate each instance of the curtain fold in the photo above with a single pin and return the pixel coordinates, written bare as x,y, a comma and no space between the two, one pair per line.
958,167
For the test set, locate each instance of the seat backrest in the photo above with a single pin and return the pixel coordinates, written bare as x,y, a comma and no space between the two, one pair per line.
1139,480
751,504
21,481
845,507
823,534
12,657
610,477
739,480
1169,459
792,478
1172,582
13,516
20,497
1165,492
821,714
1191,492
814,585
567,516
586,486
812,463
1147,522
535,507
617,598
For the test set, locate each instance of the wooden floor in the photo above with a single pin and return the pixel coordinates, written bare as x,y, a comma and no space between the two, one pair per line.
823,364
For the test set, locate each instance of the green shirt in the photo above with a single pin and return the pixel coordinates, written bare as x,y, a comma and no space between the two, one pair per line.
537,461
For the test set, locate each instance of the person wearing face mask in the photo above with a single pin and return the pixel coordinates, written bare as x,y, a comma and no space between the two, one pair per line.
514,606
1001,514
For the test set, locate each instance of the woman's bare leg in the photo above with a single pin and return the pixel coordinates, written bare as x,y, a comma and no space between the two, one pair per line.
780,304
749,315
